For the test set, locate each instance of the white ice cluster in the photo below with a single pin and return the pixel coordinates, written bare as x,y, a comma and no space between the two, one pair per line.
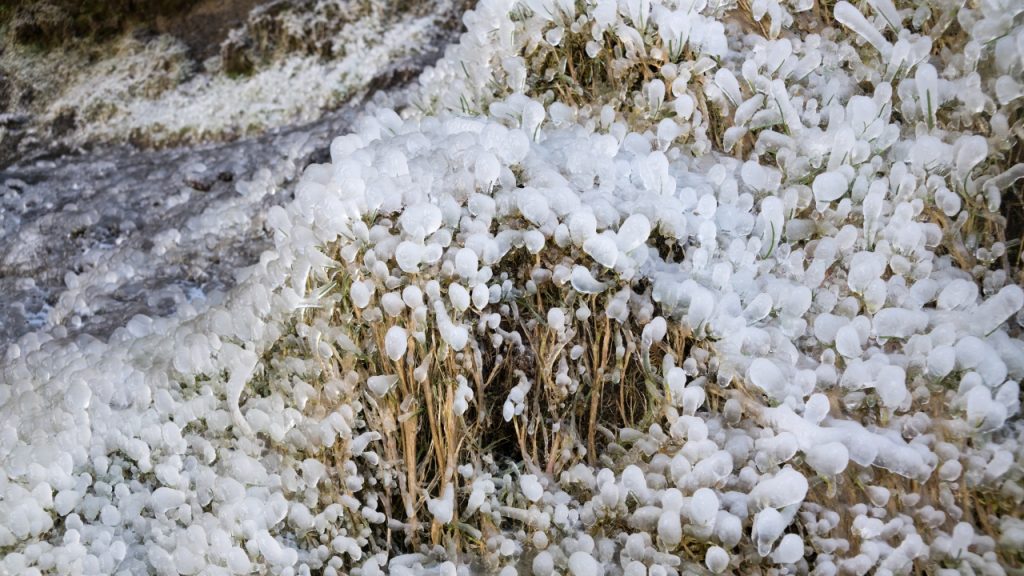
737,312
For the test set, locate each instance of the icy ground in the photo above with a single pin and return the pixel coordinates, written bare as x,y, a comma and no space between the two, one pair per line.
628,288
90,240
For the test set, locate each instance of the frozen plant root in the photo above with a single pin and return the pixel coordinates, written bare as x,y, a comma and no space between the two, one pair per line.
630,288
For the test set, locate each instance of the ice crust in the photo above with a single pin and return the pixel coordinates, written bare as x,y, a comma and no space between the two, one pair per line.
812,292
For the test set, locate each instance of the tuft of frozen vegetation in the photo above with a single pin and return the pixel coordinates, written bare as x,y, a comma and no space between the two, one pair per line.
635,288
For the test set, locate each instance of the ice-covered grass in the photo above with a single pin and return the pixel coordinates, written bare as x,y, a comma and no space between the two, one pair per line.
739,304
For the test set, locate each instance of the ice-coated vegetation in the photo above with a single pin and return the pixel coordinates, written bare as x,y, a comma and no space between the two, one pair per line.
633,288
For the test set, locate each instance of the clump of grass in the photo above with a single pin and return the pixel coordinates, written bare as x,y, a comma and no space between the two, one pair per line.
615,384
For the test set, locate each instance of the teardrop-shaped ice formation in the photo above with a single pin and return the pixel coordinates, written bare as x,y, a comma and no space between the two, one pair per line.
380,385
829,186
633,233
396,342
971,151
602,249
584,282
